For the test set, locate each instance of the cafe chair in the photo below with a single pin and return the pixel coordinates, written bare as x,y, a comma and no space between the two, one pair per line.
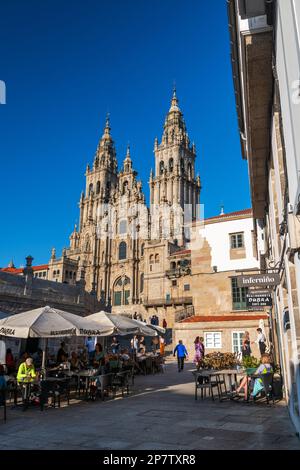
104,384
267,382
206,382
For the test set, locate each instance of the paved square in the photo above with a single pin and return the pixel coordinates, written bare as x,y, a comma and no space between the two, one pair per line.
161,413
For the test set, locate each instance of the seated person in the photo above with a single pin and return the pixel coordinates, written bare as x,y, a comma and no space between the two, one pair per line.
264,368
83,356
124,355
114,362
99,356
10,362
141,352
115,345
65,365
61,352
75,362
26,372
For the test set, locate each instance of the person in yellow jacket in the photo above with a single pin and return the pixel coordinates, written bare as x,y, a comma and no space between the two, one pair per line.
26,371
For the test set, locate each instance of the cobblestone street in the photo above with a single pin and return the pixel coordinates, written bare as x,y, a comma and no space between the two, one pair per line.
160,413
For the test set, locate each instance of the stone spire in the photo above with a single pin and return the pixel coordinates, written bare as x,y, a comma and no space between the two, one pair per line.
106,153
174,127
127,161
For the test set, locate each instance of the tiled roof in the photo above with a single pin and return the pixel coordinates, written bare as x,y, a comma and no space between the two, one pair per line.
41,267
231,214
222,318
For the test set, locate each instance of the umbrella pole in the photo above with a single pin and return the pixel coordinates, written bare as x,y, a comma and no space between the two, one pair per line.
44,354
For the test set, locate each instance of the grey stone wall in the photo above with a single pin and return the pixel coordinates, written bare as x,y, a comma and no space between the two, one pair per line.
21,293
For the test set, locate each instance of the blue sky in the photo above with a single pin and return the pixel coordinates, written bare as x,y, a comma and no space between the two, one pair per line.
65,64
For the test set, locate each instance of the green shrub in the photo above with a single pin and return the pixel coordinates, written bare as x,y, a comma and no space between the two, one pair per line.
250,362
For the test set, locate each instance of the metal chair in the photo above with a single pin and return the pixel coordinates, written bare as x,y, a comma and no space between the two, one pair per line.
104,382
205,382
267,381
149,365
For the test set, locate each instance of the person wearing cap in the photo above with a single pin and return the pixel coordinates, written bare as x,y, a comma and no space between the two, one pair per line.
25,377
26,371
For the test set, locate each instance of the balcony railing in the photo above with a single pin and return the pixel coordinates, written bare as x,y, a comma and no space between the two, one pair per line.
178,272
187,312
168,301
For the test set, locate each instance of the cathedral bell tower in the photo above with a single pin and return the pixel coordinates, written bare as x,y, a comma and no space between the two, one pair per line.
174,181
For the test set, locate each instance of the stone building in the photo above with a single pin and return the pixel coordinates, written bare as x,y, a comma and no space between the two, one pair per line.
122,245
265,45
221,248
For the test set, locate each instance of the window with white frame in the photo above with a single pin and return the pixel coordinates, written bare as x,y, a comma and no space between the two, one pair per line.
213,339
237,341
237,240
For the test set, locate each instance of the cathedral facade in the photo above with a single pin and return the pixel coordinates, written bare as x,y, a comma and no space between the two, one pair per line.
122,247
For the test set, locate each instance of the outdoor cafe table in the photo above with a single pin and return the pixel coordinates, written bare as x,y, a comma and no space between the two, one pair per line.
231,374
87,375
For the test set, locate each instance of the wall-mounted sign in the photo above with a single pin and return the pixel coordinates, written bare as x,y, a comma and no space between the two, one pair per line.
258,280
258,298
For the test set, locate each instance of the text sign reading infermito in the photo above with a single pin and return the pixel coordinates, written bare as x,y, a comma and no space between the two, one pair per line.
258,280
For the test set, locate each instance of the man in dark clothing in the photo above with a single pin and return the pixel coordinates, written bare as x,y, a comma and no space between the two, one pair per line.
181,355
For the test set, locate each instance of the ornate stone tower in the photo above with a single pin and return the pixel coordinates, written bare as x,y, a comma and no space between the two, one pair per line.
174,183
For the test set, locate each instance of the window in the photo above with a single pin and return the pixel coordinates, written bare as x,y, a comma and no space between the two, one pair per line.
173,265
171,165
151,259
122,251
123,227
142,249
98,187
90,189
125,187
237,240
174,283
44,274
237,341
161,167
126,297
121,292
213,340
238,295
156,258
142,282
186,287
117,298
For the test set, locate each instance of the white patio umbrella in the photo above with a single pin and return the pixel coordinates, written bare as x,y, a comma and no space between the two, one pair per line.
48,322
121,325
159,329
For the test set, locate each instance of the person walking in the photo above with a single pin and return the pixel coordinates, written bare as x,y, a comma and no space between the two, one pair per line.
164,324
199,350
181,355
